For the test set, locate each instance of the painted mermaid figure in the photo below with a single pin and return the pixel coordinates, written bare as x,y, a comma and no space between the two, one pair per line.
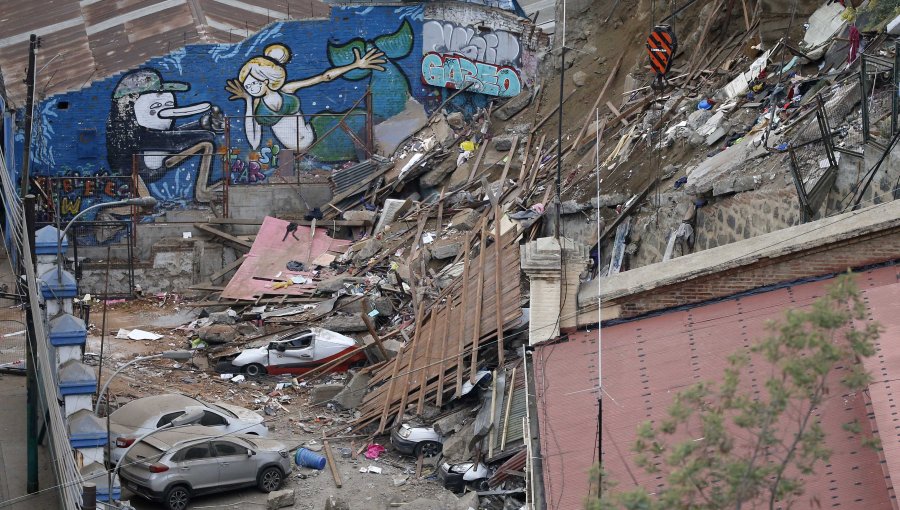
271,101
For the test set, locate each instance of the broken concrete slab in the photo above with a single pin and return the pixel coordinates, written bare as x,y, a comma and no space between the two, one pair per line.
698,118
324,392
352,394
824,25
437,174
465,219
469,501
227,317
360,216
456,447
345,323
280,499
445,248
395,130
217,333
452,422
736,185
513,106
503,143
384,306
609,200
365,250
702,177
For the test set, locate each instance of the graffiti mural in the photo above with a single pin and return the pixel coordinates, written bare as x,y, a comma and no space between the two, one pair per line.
456,71
485,61
493,46
289,97
141,130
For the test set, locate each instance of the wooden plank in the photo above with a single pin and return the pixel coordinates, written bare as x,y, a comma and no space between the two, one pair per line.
228,238
511,383
330,457
439,398
477,163
498,283
461,313
423,368
364,304
509,158
414,346
476,335
617,113
390,390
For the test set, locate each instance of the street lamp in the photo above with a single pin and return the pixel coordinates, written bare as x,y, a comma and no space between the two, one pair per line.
176,355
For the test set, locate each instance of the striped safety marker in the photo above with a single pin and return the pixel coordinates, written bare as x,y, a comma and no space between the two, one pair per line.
661,46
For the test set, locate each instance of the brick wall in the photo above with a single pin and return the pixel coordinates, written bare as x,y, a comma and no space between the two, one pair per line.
827,259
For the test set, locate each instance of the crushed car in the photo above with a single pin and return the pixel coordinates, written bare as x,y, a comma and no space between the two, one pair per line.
175,465
294,353
415,441
457,477
142,415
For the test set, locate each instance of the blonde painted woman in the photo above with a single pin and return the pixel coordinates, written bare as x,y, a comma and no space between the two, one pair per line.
270,100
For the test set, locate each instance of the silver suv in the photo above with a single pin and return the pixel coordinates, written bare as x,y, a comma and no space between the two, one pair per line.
174,465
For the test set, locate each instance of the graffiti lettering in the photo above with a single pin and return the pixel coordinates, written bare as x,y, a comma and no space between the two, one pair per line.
70,207
454,71
493,47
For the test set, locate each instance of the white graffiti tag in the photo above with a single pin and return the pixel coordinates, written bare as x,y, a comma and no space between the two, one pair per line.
493,47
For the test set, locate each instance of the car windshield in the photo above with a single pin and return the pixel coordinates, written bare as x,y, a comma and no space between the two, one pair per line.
225,411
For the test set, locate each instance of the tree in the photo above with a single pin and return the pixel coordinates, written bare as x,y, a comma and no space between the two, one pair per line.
723,446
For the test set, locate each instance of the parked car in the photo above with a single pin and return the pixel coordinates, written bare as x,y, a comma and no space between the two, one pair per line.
413,441
143,415
457,476
174,465
295,353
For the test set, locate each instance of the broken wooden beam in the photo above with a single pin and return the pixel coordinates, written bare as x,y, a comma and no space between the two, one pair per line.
227,238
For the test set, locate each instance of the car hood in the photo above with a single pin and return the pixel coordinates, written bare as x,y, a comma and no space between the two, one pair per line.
243,414
257,355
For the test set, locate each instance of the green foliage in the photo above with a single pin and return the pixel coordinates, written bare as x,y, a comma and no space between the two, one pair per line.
753,449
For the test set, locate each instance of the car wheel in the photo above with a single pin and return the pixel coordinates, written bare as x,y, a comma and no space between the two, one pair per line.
177,497
480,485
429,448
254,369
270,479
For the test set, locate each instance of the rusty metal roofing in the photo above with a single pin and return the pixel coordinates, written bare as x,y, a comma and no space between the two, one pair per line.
646,361
87,40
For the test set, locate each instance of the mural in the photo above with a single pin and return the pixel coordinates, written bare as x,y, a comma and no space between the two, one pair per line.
141,131
487,60
198,115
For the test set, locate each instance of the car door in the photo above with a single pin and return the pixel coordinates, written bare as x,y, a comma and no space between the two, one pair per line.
297,352
196,465
235,466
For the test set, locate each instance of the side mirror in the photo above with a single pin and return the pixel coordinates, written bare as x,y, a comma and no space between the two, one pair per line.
250,452
280,347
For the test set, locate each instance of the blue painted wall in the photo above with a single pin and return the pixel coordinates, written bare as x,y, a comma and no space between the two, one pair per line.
172,108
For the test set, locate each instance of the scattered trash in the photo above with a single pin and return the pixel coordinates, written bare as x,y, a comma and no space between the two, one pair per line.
373,451
137,334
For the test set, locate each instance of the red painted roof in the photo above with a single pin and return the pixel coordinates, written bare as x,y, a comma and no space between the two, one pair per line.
645,362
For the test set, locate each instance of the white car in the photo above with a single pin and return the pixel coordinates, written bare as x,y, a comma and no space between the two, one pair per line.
143,415
294,353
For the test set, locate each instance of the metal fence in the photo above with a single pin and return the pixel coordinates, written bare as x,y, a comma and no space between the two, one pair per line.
878,81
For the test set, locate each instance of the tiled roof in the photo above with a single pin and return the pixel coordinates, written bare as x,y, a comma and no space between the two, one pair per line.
647,361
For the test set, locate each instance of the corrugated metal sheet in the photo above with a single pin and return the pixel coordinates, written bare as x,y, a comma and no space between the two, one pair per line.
515,463
645,362
93,39
347,178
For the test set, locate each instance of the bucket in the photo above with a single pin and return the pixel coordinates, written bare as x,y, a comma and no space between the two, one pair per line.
310,459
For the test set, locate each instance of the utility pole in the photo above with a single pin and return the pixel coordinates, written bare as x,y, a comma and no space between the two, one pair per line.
29,113
31,412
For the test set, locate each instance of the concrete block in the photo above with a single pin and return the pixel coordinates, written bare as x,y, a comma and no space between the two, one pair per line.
336,503
217,334
366,250
324,392
345,323
465,220
456,120
352,395
280,499
513,106
445,248
360,216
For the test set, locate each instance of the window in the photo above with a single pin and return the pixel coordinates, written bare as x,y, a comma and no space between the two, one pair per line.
225,449
196,452
211,419
167,418
302,342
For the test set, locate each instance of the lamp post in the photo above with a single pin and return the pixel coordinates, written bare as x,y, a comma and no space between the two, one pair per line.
176,355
